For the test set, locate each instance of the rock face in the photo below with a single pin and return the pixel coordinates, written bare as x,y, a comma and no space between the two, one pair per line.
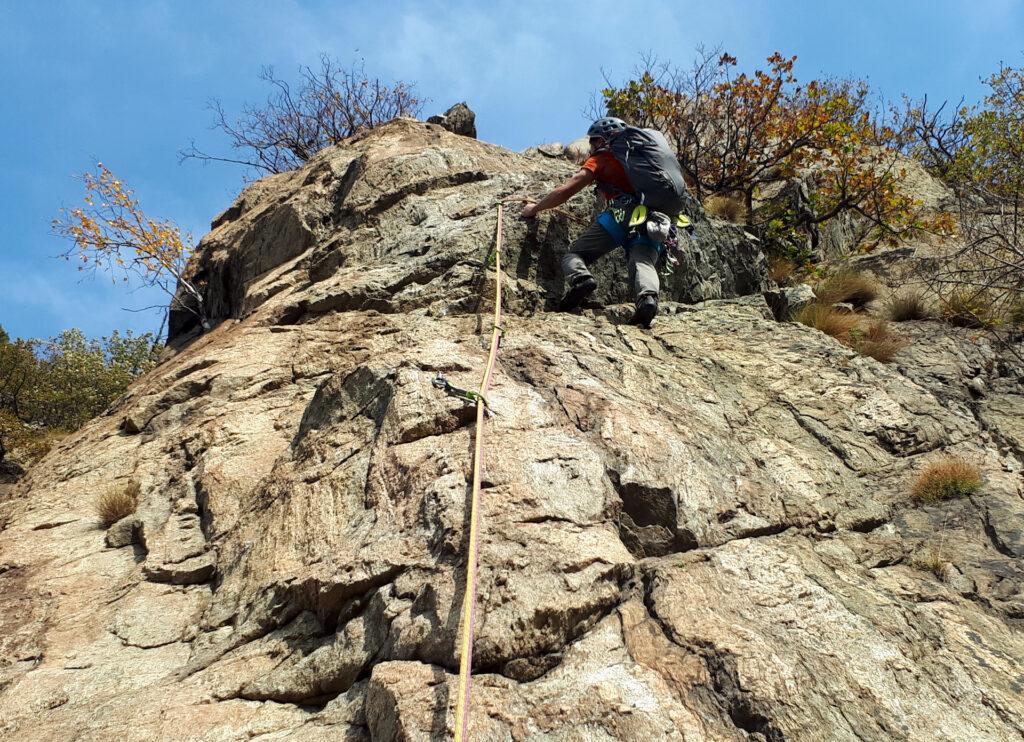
697,532
398,222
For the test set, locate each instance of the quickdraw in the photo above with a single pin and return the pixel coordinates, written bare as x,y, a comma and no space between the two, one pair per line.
466,395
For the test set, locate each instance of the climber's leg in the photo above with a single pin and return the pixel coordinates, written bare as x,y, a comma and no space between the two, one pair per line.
643,278
590,246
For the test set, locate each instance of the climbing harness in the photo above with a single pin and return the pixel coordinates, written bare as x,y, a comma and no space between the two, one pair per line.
466,395
469,599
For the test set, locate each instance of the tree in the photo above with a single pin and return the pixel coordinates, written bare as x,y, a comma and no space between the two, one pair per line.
80,377
111,233
330,104
19,369
736,133
979,152
936,136
54,386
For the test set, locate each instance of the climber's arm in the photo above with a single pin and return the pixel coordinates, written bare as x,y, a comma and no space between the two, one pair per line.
560,195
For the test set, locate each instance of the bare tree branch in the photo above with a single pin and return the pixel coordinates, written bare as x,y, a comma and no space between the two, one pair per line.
329,105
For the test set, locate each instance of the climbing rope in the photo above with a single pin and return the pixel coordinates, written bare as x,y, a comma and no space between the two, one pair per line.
469,600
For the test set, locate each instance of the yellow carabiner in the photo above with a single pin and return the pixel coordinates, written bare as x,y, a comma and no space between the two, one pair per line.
639,216
682,221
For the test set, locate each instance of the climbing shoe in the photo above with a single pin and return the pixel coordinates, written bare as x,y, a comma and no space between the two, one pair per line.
577,293
646,308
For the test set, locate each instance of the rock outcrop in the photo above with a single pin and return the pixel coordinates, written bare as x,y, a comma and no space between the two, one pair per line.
459,119
697,532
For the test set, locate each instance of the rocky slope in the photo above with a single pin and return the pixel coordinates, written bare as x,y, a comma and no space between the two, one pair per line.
697,532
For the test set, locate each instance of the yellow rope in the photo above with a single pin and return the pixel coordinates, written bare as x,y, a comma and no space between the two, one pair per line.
469,600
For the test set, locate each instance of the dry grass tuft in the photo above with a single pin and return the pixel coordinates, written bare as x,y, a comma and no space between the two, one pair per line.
871,339
846,286
829,320
731,208
908,305
117,502
781,270
946,479
929,560
876,341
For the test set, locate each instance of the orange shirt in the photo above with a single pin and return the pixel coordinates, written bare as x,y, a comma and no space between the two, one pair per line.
611,178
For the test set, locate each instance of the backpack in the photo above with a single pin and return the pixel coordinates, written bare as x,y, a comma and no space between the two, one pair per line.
652,168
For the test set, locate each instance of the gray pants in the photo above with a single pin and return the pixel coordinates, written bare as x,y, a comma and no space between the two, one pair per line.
595,242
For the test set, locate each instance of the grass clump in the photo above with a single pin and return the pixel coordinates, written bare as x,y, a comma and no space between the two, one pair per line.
829,320
117,502
946,479
781,270
729,208
907,306
929,560
846,286
876,341
871,338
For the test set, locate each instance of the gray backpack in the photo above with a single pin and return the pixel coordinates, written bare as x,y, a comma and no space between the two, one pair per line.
652,168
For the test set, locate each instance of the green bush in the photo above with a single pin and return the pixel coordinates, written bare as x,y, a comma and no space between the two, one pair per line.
50,387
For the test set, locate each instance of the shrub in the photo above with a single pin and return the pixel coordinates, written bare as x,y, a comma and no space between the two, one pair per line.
908,305
1016,313
876,342
117,502
111,233
846,286
977,151
730,208
968,308
826,318
781,270
946,479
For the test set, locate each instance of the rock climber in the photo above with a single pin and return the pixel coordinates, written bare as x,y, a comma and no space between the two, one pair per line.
611,229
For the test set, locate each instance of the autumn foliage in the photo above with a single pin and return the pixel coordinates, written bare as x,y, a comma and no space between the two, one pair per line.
751,134
111,233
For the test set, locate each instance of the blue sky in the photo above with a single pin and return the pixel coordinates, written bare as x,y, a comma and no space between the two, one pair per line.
127,83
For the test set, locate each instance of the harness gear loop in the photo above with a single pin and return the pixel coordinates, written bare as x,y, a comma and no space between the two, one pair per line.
469,601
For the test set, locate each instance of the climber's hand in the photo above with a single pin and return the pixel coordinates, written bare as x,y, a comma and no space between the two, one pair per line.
529,211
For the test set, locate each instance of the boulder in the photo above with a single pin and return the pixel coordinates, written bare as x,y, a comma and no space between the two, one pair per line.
459,119
123,533
10,470
414,243
786,301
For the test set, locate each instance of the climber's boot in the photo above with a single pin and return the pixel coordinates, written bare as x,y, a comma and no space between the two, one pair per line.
646,309
577,293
